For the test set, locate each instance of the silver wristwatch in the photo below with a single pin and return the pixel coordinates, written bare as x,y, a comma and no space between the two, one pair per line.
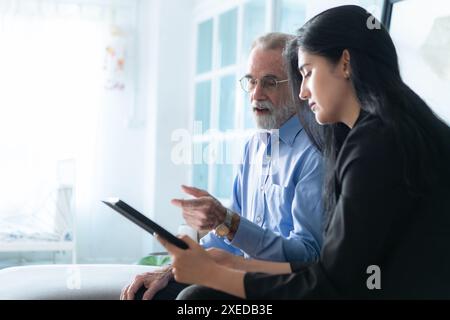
223,229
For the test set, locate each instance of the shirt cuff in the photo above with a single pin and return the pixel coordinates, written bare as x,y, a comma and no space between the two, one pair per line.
247,236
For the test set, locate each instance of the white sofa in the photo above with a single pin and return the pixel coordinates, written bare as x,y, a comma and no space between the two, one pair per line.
67,282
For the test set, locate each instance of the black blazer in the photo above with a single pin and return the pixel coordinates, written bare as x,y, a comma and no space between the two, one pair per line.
375,222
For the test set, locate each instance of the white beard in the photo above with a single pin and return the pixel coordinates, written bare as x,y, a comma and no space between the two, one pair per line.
276,117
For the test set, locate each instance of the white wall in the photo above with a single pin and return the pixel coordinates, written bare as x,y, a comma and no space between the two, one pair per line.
133,161
172,39
103,235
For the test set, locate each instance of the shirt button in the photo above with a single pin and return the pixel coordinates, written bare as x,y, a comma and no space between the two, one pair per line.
262,188
258,219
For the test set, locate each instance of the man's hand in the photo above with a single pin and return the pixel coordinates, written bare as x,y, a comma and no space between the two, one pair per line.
153,281
203,213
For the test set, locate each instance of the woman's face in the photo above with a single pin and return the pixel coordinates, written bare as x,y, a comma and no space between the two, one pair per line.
325,86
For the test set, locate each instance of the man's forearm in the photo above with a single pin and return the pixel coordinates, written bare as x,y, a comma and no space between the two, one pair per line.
265,244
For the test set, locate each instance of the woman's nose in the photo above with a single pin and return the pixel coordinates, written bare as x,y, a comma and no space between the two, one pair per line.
304,92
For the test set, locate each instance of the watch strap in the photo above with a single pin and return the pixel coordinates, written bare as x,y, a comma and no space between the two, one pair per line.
228,218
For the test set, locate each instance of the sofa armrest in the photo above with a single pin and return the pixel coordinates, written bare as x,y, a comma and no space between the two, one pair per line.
68,282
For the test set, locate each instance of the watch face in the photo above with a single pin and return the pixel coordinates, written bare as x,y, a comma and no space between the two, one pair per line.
222,230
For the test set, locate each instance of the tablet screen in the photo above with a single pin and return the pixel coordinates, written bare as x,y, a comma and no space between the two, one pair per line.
144,222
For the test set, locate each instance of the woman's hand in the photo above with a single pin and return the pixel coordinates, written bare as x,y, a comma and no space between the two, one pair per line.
224,258
193,265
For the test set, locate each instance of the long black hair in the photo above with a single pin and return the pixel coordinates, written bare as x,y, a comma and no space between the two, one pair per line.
423,139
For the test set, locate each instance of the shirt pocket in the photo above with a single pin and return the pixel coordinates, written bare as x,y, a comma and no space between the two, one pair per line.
279,204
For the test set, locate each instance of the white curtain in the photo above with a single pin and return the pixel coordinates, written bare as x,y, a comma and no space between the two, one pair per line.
59,61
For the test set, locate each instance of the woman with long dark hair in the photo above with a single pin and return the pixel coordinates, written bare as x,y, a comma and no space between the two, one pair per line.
387,192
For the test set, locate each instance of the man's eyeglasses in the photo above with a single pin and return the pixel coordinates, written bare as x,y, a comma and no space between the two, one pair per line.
249,84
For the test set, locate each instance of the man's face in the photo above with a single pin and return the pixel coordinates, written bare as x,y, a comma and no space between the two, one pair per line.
272,106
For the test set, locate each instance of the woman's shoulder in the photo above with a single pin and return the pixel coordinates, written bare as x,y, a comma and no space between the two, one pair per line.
370,146
370,136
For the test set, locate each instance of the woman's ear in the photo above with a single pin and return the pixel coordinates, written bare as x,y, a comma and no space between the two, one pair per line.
345,62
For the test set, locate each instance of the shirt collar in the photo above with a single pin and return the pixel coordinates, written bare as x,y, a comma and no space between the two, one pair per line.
289,130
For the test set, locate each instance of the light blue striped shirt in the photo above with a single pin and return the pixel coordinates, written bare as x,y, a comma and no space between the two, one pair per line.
278,196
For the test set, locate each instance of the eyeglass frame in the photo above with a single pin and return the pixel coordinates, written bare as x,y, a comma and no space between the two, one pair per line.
257,81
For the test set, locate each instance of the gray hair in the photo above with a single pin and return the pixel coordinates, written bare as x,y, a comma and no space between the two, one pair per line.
272,41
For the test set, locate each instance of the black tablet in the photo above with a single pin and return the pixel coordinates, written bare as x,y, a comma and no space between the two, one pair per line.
145,223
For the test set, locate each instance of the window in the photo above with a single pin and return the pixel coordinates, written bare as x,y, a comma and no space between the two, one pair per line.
222,109
204,50
226,49
254,26
56,71
290,15
423,49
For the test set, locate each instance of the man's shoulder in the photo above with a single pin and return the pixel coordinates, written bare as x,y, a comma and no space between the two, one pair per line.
303,146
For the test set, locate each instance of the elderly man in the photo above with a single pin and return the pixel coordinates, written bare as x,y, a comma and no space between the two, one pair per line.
276,213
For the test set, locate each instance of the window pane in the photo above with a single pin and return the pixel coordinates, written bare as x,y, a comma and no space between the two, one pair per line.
223,180
254,24
203,103
204,46
375,7
291,16
423,50
227,102
227,38
200,176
